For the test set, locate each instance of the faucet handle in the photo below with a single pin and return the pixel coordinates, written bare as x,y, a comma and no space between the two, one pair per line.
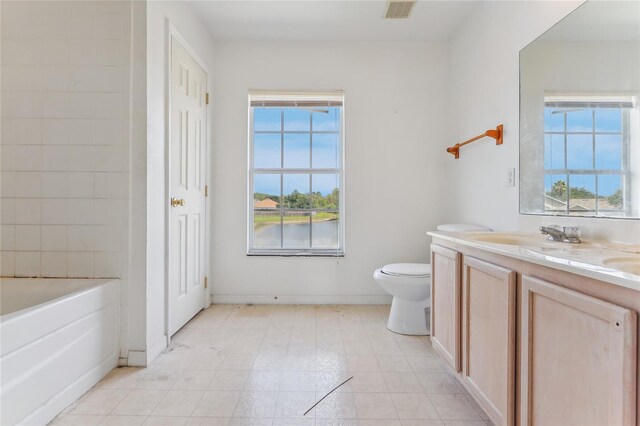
572,231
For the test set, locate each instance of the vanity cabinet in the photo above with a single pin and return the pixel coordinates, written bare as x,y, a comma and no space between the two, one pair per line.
577,363
488,337
535,345
445,307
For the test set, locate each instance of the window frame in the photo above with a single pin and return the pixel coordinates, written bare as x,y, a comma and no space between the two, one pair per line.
290,96
567,173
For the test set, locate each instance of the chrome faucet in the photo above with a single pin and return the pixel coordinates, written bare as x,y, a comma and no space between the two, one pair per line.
566,234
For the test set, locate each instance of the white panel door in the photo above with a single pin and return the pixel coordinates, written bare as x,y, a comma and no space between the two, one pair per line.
186,187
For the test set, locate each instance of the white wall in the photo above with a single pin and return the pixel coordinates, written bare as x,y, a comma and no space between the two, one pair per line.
181,16
395,97
484,93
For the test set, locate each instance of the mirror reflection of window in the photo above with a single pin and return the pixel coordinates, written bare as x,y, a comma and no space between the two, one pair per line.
586,154
579,118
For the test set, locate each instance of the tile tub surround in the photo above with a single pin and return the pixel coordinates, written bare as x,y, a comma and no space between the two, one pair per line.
65,138
267,364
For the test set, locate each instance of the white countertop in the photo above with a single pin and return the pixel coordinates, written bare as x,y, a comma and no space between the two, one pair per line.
586,259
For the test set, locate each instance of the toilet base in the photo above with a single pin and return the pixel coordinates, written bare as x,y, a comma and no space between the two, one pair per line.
410,317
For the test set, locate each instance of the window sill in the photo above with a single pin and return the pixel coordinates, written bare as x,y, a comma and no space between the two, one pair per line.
286,253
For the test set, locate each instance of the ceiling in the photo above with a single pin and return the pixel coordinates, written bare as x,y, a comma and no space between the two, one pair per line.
329,20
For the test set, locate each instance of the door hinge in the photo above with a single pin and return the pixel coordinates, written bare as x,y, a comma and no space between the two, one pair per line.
206,282
206,98
206,190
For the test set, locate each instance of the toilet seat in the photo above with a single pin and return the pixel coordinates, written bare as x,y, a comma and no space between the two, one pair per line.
410,270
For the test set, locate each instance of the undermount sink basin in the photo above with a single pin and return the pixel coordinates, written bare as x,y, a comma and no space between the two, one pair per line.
629,264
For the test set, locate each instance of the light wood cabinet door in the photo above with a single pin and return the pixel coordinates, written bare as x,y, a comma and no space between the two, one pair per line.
445,304
578,358
488,337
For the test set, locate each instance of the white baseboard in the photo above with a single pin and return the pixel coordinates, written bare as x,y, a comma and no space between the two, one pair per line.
260,299
137,358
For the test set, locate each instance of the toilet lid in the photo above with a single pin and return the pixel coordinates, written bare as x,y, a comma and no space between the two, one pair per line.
408,269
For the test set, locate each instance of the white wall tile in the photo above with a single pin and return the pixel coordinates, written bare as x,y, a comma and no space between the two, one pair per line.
55,105
80,131
22,104
63,149
80,158
82,25
27,237
54,131
81,238
109,211
8,210
80,264
27,158
107,158
55,185
7,237
83,53
81,184
28,184
22,131
108,79
106,265
28,211
54,27
108,105
107,132
81,105
109,26
107,238
82,79
21,52
54,238
25,23
55,211
27,263
55,158
7,183
7,154
109,52
81,211
54,264
7,260
21,78
55,52
108,185
55,78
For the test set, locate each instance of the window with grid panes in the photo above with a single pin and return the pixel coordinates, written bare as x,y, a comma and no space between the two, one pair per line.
586,155
296,170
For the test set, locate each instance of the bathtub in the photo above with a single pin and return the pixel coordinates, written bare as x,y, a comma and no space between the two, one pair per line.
58,337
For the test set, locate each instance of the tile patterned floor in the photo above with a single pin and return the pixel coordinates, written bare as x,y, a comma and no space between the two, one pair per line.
267,364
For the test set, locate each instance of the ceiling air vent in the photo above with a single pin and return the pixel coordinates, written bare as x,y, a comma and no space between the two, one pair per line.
399,9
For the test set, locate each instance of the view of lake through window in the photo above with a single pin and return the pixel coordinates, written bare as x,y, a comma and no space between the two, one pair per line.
296,175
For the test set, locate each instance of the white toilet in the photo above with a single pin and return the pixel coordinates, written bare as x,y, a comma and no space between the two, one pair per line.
410,286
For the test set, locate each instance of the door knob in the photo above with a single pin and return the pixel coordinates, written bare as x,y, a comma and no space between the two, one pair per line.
175,202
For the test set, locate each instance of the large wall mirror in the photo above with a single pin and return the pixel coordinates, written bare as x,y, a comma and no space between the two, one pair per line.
580,116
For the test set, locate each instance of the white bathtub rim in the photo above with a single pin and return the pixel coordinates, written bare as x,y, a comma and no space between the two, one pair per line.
95,282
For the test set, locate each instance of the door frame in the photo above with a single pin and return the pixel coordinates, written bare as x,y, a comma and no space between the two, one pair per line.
172,32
